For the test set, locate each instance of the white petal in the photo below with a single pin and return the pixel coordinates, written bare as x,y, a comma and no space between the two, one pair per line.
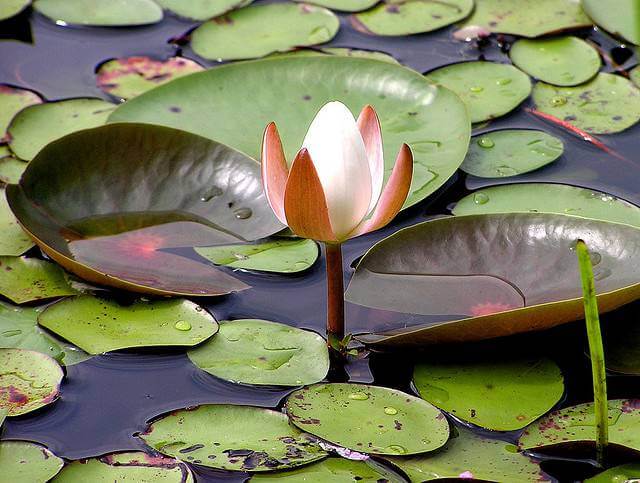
337,150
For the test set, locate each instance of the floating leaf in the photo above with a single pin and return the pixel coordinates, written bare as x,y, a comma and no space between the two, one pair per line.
25,279
368,419
121,232
263,29
231,105
343,5
558,198
128,77
488,89
562,61
526,18
280,255
607,104
133,466
13,100
36,126
510,273
620,17
510,152
253,351
230,437
11,170
401,17
114,13
622,347
496,395
27,462
99,325
634,75
618,474
201,9
578,424
13,240
468,456
29,380
10,8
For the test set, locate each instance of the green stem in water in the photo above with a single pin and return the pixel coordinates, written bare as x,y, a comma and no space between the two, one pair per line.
596,351
335,293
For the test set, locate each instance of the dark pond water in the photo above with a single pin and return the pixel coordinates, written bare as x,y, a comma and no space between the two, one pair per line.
107,399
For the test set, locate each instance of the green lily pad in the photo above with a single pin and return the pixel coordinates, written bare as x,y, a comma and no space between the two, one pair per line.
13,240
577,424
496,395
510,152
120,232
333,470
131,76
622,347
561,61
280,255
368,419
11,169
468,456
343,5
402,17
114,13
133,466
488,89
253,351
201,9
13,100
36,126
22,461
620,17
25,279
507,273
9,8
231,437
29,380
100,325
607,104
230,104
526,18
557,198
618,474
263,29
634,75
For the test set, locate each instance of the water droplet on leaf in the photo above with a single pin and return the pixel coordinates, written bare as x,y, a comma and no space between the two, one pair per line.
486,142
558,100
359,396
480,198
182,325
390,410
476,89
243,213
395,449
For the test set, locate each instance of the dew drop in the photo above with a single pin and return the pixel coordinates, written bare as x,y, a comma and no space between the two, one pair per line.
558,100
503,82
390,410
595,258
359,396
601,274
506,171
243,213
240,256
211,194
395,449
480,198
476,89
182,325
11,333
486,142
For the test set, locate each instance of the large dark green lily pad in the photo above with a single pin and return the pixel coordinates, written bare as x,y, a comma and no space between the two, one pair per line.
578,424
403,17
368,419
100,325
29,380
607,104
12,101
526,18
622,347
468,456
507,273
13,240
620,17
114,13
488,89
136,467
36,126
260,352
9,8
509,152
617,474
496,395
22,461
259,30
562,61
343,5
231,105
110,203
201,9
230,437
25,279
557,198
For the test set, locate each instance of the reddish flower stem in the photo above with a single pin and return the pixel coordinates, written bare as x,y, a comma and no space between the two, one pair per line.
335,292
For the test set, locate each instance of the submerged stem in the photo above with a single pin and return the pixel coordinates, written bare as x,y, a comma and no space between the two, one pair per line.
335,292
596,351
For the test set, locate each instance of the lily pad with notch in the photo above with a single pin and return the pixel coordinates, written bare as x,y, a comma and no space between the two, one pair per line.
488,89
260,352
29,380
228,437
620,17
201,9
99,325
492,275
105,218
25,279
25,461
510,152
607,104
343,5
13,100
263,29
13,240
368,419
229,104
98,13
